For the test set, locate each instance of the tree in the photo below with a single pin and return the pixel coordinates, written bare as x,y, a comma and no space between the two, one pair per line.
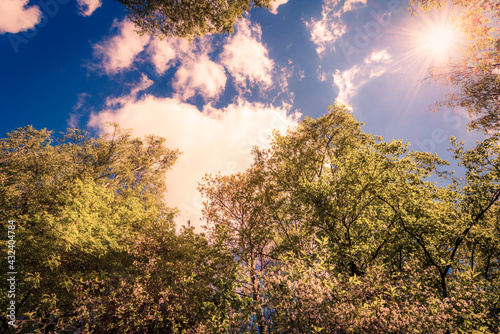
177,283
476,75
78,204
240,219
351,235
187,18
331,230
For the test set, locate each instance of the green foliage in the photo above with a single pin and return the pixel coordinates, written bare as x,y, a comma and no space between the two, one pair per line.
335,230
187,18
78,204
331,230
175,284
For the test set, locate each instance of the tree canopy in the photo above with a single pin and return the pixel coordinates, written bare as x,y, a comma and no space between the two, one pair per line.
331,230
337,231
95,245
187,18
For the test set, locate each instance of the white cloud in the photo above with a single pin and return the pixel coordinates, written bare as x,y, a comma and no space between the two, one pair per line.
196,74
353,5
381,56
211,140
276,4
87,7
327,30
325,33
246,58
165,53
16,17
349,81
118,53
201,76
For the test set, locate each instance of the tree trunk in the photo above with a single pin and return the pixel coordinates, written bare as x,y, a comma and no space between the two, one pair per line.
261,321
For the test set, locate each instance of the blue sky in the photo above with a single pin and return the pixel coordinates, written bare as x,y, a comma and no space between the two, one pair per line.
78,64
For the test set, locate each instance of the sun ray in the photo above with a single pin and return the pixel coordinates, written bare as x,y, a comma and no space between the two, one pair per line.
437,41
425,41
429,40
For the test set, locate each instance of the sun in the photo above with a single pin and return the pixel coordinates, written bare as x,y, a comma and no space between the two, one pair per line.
441,39
438,41
436,37
425,42
432,40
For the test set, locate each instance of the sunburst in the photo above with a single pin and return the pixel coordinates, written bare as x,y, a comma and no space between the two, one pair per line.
424,42
429,40
437,41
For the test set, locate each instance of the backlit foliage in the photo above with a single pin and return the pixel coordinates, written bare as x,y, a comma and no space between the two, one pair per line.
331,230
187,18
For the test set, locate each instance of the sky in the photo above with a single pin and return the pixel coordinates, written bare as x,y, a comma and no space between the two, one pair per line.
80,63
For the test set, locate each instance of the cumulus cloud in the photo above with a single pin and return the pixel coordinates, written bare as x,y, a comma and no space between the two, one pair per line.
196,74
16,17
327,30
350,80
246,58
117,53
353,5
165,53
275,5
201,76
211,140
87,7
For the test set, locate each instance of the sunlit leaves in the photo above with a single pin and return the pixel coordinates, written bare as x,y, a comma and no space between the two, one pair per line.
331,230
79,205
346,233
187,18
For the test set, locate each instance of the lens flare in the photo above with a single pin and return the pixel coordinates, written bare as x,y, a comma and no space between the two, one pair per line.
430,40
424,42
437,41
